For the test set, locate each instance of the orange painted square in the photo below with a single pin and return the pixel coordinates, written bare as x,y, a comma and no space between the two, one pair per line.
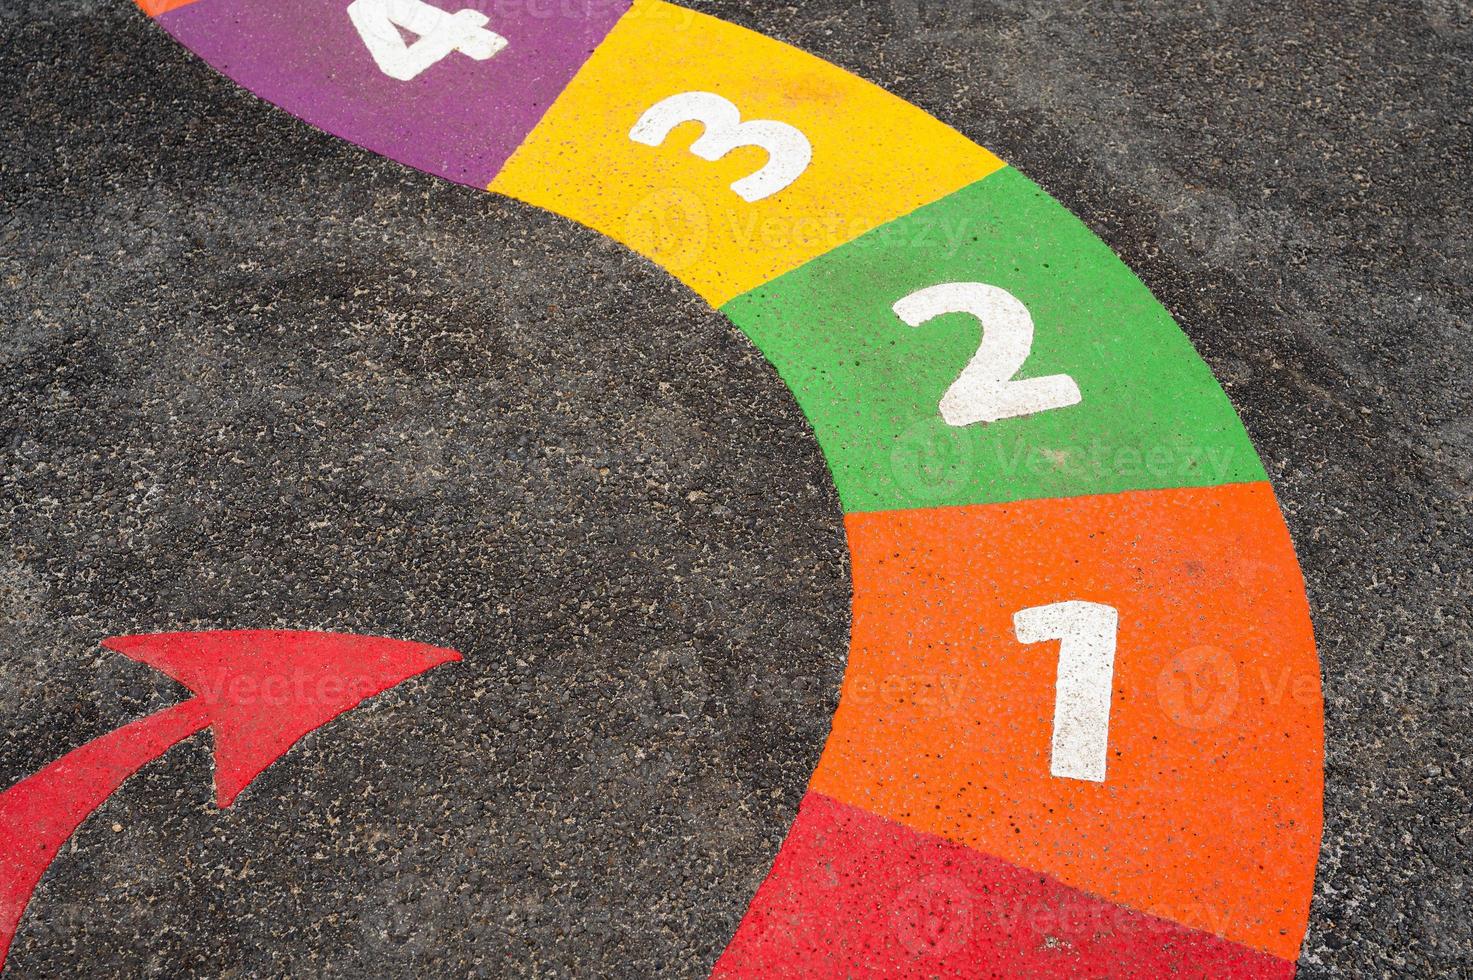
1210,811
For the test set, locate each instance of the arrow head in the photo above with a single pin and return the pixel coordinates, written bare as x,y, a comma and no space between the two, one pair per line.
265,689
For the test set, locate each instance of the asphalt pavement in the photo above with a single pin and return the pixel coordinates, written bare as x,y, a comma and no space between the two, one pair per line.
252,374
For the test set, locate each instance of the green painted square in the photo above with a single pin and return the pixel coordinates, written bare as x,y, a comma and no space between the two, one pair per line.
1152,415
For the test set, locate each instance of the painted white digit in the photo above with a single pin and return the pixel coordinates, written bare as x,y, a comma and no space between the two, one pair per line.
986,390
439,33
1086,633
788,151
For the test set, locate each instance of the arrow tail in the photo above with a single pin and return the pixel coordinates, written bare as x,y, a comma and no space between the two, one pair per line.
260,691
39,813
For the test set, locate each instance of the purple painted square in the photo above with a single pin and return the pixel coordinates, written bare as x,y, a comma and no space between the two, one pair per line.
460,118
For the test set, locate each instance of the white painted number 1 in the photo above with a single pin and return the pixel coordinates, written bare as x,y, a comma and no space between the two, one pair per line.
986,390
788,151
439,33
1086,633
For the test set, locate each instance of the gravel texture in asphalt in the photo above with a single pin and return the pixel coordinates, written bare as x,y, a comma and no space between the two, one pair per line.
251,375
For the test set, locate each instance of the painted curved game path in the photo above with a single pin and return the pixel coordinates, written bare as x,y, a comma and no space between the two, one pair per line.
1080,730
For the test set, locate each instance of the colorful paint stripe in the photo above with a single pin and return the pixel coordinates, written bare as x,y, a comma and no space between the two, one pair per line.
1150,414
1082,714
460,118
1210,812
874,157
855,895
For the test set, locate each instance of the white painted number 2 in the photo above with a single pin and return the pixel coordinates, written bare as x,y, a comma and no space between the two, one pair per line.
1086,633
439,33
986,390
788,150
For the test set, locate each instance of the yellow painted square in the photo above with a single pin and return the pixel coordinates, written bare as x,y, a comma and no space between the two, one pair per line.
875,157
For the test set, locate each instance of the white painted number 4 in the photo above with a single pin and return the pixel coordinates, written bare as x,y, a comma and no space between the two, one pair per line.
438,33
987,390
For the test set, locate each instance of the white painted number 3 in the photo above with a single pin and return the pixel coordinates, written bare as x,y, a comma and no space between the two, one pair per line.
788,150
1086,633
986,390
438,32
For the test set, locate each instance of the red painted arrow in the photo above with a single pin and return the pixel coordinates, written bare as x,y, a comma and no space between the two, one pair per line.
259,690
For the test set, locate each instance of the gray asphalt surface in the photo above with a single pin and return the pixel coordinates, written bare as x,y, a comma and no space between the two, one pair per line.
252,375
